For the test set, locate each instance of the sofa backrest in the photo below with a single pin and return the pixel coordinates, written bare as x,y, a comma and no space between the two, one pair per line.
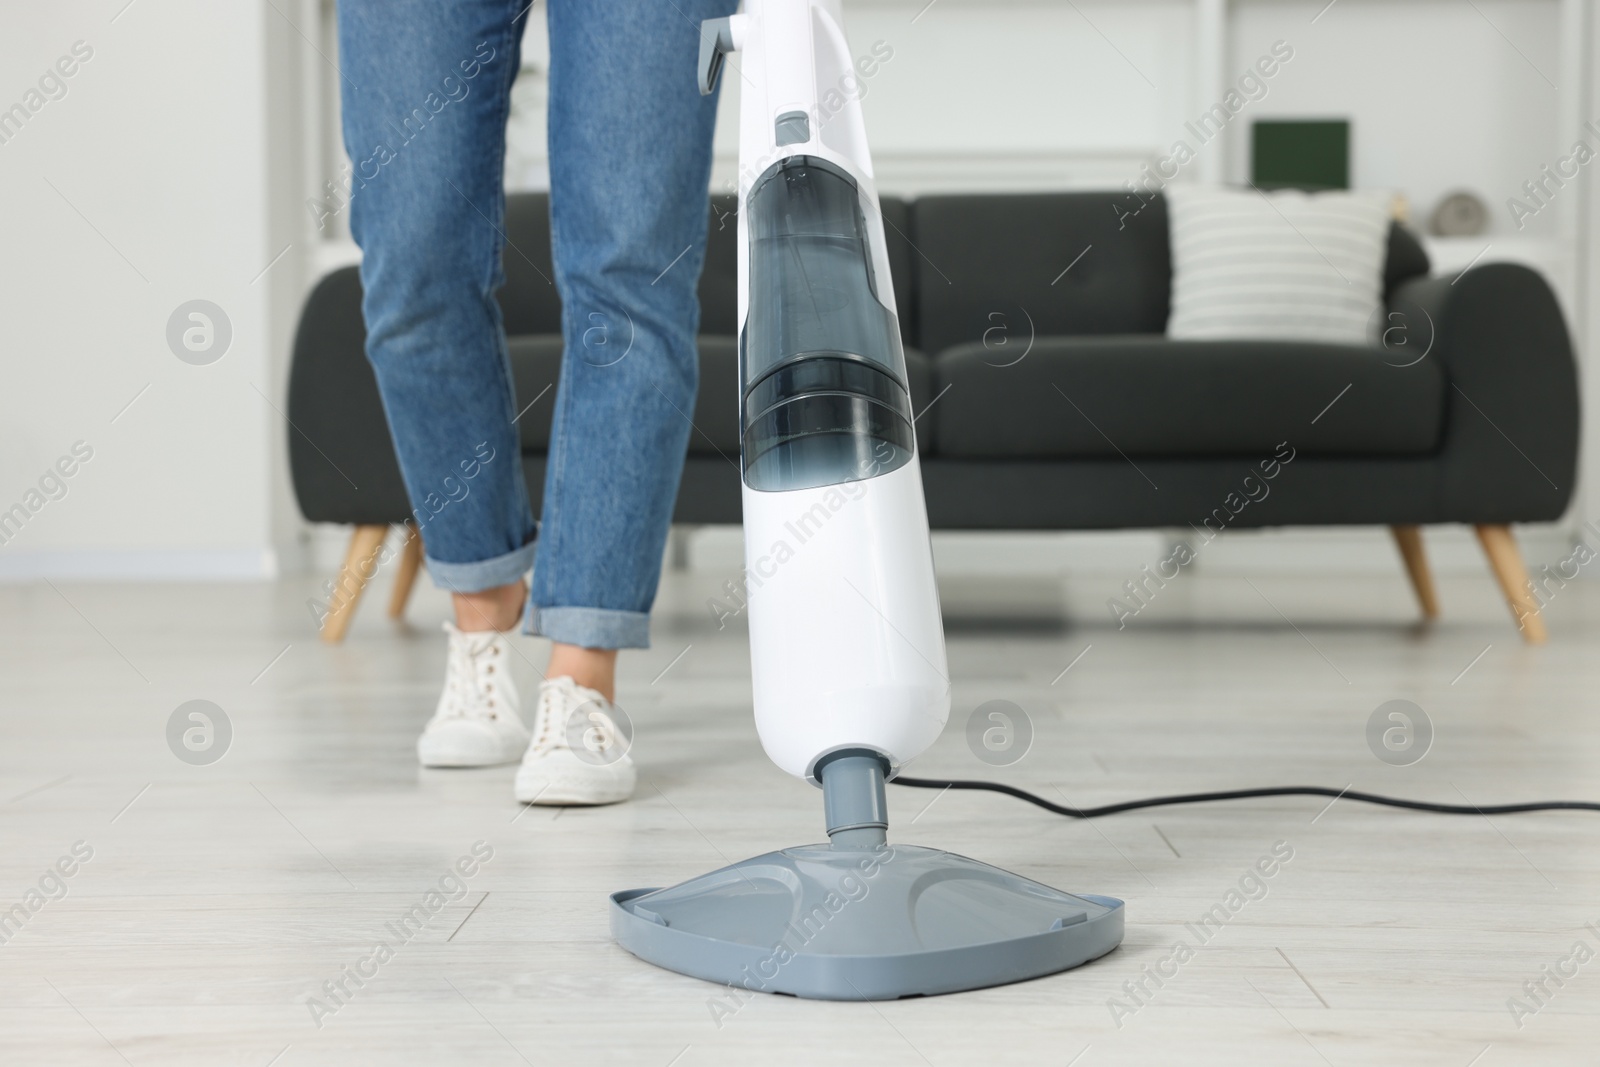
999,268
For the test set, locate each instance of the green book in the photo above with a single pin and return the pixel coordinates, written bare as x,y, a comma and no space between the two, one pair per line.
1297,154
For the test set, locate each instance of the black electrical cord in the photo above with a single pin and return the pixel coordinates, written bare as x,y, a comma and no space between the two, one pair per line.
1243,794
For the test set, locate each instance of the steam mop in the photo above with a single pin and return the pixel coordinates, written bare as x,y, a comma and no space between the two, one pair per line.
846,642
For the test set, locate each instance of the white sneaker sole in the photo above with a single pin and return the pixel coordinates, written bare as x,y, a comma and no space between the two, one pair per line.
566,786
459,749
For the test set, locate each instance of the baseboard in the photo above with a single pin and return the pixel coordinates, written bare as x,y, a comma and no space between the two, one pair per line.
140,565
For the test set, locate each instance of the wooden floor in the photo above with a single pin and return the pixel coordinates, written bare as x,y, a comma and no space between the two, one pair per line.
219,899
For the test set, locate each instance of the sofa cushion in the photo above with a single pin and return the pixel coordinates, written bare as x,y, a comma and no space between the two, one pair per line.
1147,396
716,408
529,302
897,240
719,276
1044,264
1285,265
536,368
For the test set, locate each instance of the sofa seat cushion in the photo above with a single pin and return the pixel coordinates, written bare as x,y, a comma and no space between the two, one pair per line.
1147,396
716,409
536,368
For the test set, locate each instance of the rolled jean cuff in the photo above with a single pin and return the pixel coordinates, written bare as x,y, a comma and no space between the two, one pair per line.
483,574
589,627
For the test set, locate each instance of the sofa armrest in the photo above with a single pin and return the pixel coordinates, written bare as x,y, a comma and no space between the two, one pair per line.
1510,445
341,457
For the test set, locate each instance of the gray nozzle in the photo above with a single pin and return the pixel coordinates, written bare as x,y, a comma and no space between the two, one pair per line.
853,802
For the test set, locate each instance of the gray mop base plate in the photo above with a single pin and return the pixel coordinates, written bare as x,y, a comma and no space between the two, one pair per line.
897,921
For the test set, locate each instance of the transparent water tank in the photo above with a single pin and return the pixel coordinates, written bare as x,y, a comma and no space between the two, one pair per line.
824,397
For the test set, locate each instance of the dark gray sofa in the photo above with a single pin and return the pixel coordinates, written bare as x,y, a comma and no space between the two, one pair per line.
1050,399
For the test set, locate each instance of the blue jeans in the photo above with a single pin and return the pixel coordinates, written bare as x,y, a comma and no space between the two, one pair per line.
426,90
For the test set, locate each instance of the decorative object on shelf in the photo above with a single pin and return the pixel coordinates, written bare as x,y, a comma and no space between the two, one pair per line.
1300,154
1459,214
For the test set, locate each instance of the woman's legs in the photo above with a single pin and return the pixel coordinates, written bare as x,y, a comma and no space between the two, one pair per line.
426,89
426,92
500,608
491,609
630,162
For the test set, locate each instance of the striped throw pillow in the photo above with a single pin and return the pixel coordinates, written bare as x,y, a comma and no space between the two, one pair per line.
1284,265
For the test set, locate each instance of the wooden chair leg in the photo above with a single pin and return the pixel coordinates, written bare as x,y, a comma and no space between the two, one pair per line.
1506,562
1409,540
360,564
405,576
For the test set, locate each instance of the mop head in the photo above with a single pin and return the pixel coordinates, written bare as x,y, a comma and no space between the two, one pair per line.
879,923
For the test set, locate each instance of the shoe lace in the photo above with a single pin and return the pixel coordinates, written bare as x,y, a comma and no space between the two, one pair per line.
471,675
559,698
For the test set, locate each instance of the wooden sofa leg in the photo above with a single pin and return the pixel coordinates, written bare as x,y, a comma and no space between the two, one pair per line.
360,564
1506,562
678,546
1409,540
405,576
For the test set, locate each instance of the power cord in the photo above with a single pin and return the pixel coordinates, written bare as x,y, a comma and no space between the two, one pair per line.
1243,794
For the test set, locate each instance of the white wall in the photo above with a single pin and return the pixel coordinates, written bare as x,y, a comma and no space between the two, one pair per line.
1438,99
1033,94
1441,97
145,186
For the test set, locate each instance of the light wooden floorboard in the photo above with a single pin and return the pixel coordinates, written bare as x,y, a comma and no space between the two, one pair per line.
220,898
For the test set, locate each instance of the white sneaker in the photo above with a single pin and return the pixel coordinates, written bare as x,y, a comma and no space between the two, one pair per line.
553,772
476,723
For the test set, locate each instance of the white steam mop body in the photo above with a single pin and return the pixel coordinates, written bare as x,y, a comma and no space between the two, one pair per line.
847,647
846,642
